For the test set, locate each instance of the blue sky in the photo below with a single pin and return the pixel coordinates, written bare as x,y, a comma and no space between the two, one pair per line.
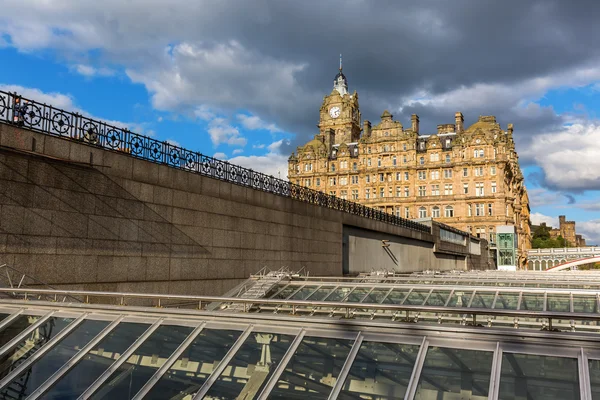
244,80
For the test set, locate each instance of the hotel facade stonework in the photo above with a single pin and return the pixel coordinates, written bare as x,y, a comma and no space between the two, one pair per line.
466,177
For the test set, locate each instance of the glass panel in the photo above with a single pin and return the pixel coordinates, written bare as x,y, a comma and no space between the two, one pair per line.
129,378
38,372
595,378
438,298
194,365
507,301
303,293
380,371
95,362
357,295
32,343
338,294
463,372
460,298
535,377
558,302
416,297
396,296
313,369
251,367
585,304
376,296
17,326
320,294
289,289
483,300
532,302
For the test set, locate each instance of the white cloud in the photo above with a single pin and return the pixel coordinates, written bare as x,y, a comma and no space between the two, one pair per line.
89,71
571,158
220,156
173,142
204,113
254,122
221,131
258,146
537,218
590,231
238,151
273,163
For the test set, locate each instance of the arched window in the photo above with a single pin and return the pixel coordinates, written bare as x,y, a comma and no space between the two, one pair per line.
422,160
435,212
422,212
449,212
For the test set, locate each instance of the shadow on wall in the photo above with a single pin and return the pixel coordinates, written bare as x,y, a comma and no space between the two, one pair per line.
52,207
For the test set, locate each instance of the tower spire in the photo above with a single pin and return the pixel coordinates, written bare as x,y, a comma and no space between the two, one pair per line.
340,61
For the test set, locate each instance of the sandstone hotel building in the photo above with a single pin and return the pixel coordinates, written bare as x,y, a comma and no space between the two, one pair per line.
467,177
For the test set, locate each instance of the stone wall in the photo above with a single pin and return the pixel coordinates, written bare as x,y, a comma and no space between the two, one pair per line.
81,217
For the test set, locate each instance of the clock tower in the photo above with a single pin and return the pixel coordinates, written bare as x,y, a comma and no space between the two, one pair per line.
339,120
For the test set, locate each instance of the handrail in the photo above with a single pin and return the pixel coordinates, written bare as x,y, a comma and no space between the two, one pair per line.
204,300
49,120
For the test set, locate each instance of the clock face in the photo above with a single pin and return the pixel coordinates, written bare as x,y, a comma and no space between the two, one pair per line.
334,112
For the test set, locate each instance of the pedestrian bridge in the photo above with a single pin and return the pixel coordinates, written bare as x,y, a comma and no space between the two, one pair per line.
545,259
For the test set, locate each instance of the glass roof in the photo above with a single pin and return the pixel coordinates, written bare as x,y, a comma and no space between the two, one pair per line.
355,340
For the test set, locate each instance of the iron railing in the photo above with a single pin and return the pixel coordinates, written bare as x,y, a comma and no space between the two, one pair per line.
49,120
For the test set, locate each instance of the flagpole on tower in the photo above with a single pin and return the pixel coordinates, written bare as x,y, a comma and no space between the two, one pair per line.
340,61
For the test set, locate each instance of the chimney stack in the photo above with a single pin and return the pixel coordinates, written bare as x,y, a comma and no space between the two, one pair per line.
459,121
415,123
366,128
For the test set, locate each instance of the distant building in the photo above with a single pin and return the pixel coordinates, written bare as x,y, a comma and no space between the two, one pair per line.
467,177
566,230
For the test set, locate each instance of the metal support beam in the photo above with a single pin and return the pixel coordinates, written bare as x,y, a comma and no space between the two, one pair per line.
38,354
15,340
74,360
120,361
221,366
169,362
281,366
414,378
346,367
495,373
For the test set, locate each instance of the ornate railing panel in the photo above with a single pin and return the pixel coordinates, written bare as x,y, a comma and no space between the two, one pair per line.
47,119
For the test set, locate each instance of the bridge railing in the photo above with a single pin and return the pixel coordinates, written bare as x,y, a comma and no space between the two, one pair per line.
53,121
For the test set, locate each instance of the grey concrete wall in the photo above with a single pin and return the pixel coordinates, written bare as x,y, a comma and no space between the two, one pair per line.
367,252
81,217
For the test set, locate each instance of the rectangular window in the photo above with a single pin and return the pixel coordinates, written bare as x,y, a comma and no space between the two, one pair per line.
398,191
493,187
447,173
381,192
490,209
448,189
449,212
354,166
469,212
398,176
354,194
344,194
465,188
479,189
478,171
368,179
406,176
404,146
404,159
367,193
369,151
465,172
368,162
332,192
394,160
422,175
493,170
435,175
307,182
354,179
479,210
447,158
406,191
435,190
421,190
318,182
434,157
379,162
343,180
332,167
381,178
406,212
397,212
332,181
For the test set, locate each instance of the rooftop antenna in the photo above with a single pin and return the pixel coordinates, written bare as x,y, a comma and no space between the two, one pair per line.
340,61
